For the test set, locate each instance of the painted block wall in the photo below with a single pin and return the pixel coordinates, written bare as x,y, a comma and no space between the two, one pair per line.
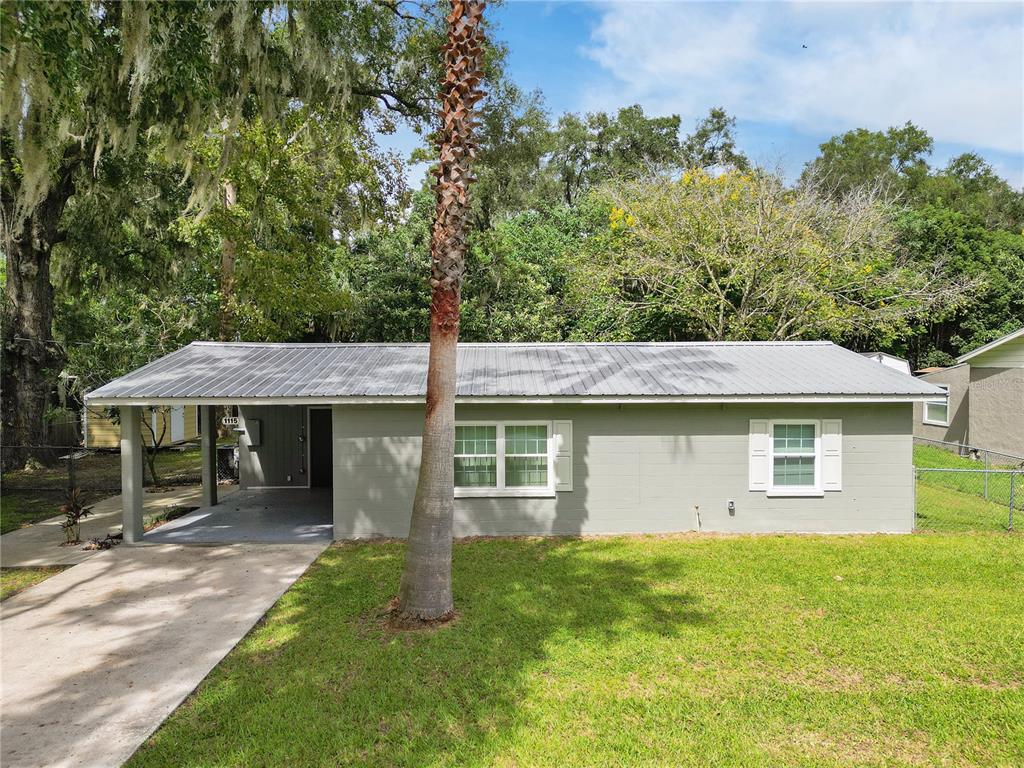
637,469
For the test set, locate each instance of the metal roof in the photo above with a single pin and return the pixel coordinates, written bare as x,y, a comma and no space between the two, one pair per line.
240,372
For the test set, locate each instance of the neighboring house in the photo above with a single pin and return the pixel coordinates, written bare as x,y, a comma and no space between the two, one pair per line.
562,438
985,406
177,424
891,361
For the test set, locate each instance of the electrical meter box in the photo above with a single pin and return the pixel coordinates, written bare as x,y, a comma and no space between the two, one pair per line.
253,430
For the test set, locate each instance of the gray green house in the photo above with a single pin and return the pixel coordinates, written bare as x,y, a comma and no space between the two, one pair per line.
557,438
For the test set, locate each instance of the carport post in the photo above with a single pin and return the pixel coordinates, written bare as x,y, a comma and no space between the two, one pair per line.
131,473
208,451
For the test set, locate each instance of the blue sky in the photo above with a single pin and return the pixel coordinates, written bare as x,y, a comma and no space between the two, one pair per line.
955,69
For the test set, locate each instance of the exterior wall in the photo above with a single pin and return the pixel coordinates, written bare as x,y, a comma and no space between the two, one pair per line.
997,409
636,469
279,460
103,432
1009,354
958,379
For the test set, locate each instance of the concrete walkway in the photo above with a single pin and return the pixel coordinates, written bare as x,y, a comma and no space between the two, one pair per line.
95,658
41,543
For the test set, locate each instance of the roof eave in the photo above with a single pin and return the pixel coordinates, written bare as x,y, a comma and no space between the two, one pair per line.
536,400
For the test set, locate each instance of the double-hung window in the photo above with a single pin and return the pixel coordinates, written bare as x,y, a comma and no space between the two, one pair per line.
795,457
503,458
937,411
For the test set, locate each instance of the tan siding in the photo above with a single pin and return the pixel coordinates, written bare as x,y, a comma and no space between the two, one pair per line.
1007,355
104,432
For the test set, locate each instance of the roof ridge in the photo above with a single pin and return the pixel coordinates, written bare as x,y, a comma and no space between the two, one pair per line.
320,344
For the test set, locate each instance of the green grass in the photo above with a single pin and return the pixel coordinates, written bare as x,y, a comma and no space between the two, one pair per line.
993,496
14,580
933,456
941,508
683,651
33,495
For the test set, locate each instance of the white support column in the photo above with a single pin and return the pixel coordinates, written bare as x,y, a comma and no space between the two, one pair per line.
208,452
131,473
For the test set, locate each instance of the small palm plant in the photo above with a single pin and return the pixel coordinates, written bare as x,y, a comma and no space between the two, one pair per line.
74,510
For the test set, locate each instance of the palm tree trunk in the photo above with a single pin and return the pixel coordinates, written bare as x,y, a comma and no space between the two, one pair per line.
426,589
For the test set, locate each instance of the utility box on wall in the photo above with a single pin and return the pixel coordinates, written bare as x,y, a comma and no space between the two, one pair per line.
252,429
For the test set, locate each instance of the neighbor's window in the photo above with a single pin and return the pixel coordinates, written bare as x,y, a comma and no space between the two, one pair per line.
937,411
503,457
794,455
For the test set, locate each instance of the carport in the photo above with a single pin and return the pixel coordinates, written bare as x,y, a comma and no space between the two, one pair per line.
285,447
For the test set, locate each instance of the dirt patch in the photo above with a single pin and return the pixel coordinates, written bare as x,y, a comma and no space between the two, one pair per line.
391,622
876,748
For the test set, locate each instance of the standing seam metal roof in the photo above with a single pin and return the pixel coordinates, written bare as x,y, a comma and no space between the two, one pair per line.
241,371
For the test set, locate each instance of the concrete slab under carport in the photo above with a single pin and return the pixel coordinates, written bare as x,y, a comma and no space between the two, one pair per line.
277,516
96,657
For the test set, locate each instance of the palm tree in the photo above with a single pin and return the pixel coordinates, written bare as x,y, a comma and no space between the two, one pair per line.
426,589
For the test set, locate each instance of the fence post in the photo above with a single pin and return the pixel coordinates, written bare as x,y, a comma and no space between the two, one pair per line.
1012,476
71,470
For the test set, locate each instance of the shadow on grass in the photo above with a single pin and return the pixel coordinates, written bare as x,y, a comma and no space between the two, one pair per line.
322,682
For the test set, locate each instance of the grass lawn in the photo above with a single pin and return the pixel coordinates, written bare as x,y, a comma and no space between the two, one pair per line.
13,580
690,650
940,508
31,496
962,501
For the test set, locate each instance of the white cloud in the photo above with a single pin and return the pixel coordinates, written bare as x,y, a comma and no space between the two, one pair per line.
956,69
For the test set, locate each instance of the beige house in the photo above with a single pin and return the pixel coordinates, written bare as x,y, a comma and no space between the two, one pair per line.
176,423
985,405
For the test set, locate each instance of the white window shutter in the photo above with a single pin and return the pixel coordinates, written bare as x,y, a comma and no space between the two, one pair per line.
758,459
562,434
832,454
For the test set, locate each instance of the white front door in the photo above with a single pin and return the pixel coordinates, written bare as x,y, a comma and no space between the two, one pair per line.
177,423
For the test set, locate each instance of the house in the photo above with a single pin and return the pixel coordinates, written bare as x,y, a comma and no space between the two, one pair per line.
896,363
985,399
557,438
174,424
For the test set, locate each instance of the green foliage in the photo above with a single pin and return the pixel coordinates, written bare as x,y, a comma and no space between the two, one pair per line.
741,256
893,159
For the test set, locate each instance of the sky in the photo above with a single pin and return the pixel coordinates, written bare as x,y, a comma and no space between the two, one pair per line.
793,74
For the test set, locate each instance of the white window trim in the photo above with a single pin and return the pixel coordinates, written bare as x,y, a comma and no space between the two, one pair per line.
789,490
500,490
937,422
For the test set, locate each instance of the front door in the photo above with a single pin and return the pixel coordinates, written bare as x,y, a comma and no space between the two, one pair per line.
321,450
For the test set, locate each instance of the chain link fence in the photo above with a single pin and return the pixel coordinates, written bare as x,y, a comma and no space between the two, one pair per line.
967,488
45,474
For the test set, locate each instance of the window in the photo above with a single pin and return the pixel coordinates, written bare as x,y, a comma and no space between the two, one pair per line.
503,459
937,411
795,457
476,456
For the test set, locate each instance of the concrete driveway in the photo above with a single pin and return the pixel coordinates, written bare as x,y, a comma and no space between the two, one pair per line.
95,658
